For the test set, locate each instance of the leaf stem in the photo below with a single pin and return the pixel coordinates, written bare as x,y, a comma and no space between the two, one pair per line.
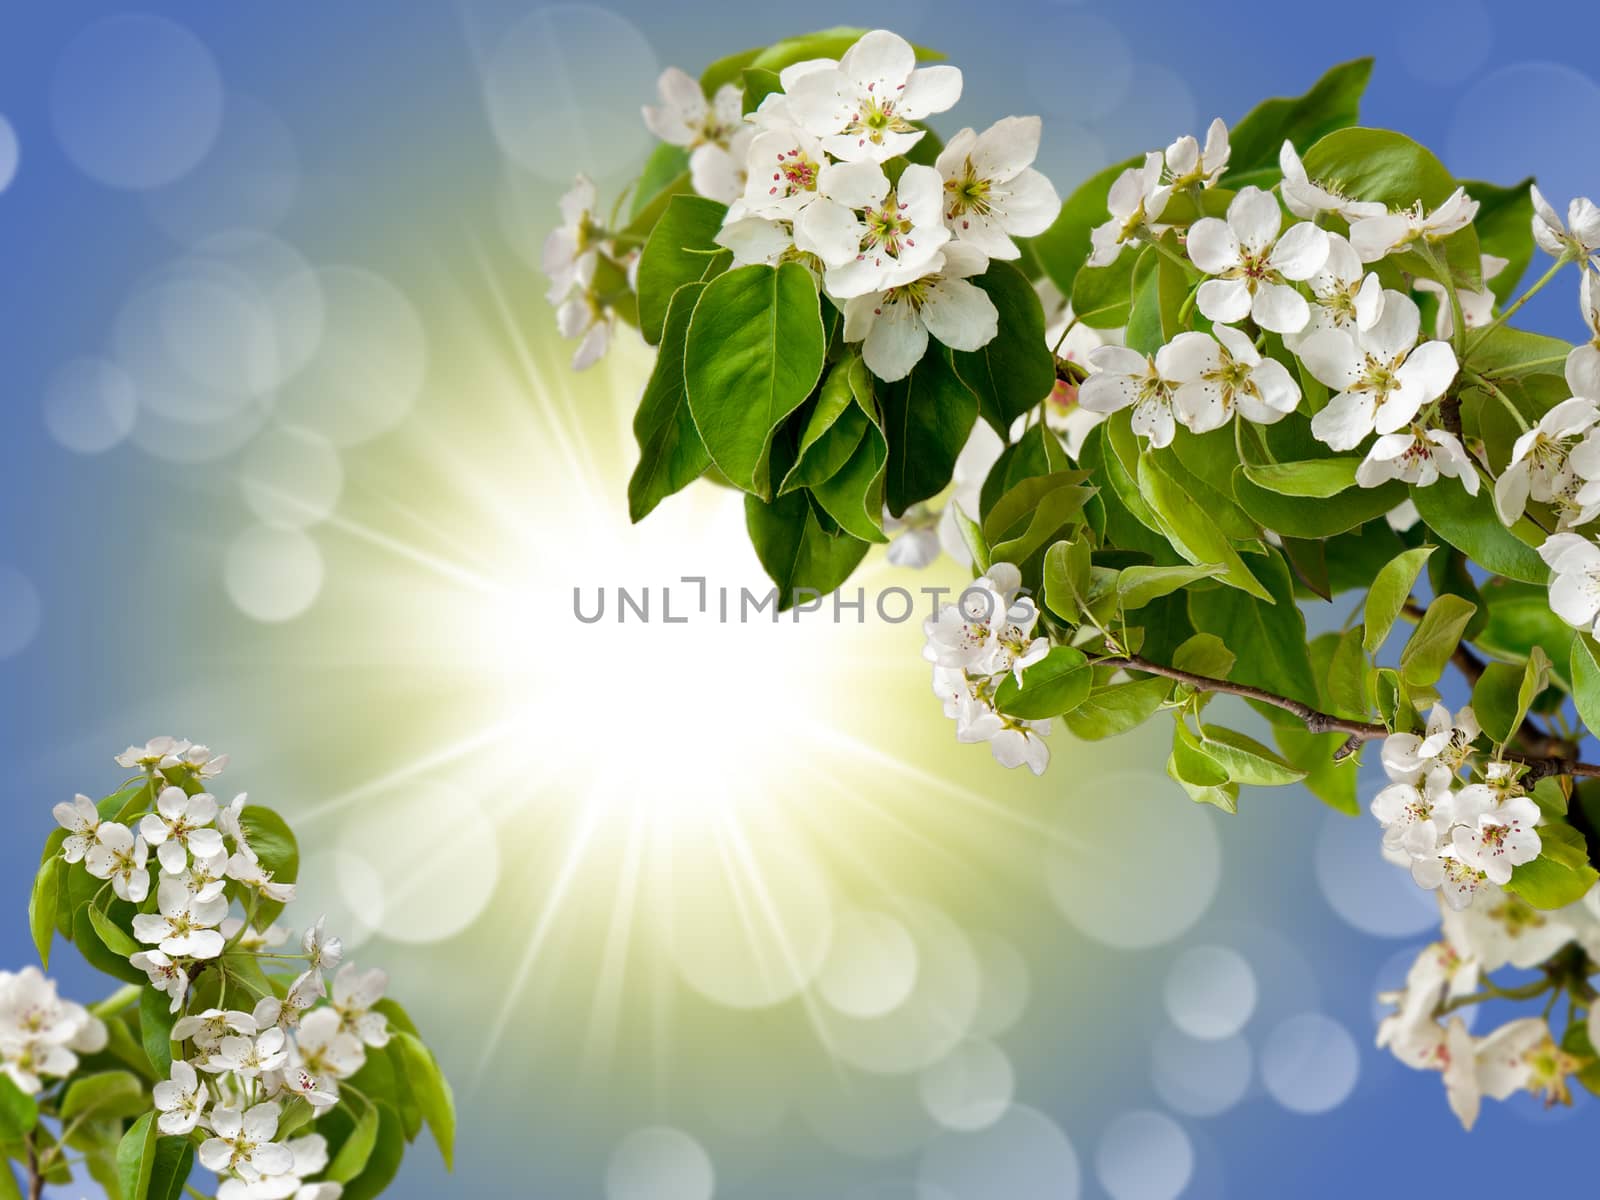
1479,381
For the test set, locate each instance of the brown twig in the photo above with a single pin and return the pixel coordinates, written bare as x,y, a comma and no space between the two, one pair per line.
1317,721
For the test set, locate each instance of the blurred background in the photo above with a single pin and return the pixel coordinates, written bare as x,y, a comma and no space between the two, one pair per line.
295,466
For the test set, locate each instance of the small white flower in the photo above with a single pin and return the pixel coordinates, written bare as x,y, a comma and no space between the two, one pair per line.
1378,236
1539,459
121,857
913,537
893,325
41,1034
310,1158
248,1056
862,110
246,868
1495,1066
967,635
1252,263
1418,456
324,1053
200,761
870,235
181,1100
243,1143
1188,165
186,926
324,952
571,251
207,877
1344,295
1012,741
1381,376
1306,198
1501,840
757,240
1415,818
1456,879
991,191
1583,363
1438,753
1223,374
719,172
1575,588
583,318
353,995
80,819
181,824
784,165
165,975
1477,307
686,118
1136,201
1578,238
148,757
206,1030
1124,378
285,1012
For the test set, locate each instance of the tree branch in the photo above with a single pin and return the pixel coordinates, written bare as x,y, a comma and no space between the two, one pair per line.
1317,721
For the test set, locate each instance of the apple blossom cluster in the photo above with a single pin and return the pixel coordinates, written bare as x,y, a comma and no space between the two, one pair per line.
42,1035
584,264
1459,839
1427,1029
816,173
245,1058
975,645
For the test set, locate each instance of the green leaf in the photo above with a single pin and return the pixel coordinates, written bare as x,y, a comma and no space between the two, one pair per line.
680,250
273,842
799,555
1034,511
1318,478
357,1149
384,1162
666,165
853,496
1066,578
833,430
1334,783
1547,882
1118,708
1333,102
107,1095
1064,247
1388,595
432,1091
42,907
1586,683
1138,585
155,1029
1423,658
1247,760
671,454
1015,371
1191,531
927,417
1505,229
972,537
1494,700
1470,524
1520,619
1270,638
1508,353
759,83
1056,684
1191,763
152,1167
1102,297
1346,676
19,1112
753,352
1204,654
113,936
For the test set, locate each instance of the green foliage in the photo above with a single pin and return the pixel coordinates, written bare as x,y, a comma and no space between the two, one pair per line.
1056,684
152,1167
1561,875
1016,370
681,249
926,419
42,907
1438,633
1333,102
273,842
671,454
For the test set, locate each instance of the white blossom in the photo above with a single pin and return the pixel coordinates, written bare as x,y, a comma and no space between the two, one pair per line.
784,166
1125,378
181,825
686,118
571,251
863,109
121,857
1222,373
285,1011
1418,456
353,996
186,926
1306,198
323,1055
248,1056
41,1035
1381,377
872,235
242,1143
1477,304
80,819
721,172
913,537
1539,464
1415,815
310,1158
207,1029
1136,201
894,325
148,757
757,240
1253,266
244,867
1583,362
991,191
324,951
1188,165
1438,753
1377,236
1574,562
1344,295
1502,838
165,974
1578,238
181,1100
